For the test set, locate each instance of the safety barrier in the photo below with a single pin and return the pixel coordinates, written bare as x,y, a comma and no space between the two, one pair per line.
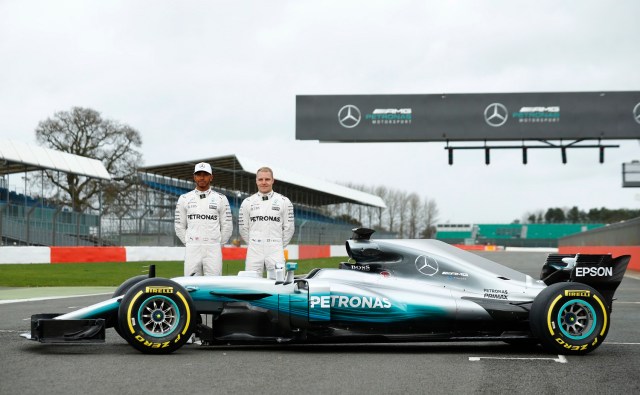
87,254
55,255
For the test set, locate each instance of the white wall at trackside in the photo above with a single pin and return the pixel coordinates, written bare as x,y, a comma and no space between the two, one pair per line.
143,254
40,255
24,255
338,250
28,255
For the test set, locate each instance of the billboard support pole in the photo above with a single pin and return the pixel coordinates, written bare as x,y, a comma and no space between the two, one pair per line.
525,147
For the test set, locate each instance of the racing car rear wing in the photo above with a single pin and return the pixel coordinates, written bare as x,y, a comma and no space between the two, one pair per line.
601,271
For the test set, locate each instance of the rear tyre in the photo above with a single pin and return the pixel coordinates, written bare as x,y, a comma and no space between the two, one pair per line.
569,318
156,316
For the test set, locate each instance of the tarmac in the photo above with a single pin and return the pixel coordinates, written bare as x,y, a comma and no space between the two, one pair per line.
398,368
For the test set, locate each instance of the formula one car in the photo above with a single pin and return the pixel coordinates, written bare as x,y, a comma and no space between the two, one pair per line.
389,291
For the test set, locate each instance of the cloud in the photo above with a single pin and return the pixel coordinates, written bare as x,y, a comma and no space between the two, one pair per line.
201,78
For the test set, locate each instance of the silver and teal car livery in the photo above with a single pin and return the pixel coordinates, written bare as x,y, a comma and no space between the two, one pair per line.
388,291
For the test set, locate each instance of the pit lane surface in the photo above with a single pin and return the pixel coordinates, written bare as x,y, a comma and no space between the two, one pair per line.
488,367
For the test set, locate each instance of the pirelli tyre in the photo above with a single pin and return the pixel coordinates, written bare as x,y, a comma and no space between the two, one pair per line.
569,318
125,286
156,316
121,290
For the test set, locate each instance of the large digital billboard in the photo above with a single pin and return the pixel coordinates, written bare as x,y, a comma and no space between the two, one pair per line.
468,117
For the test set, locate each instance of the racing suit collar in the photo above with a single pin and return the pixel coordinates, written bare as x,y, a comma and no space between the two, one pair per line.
268,195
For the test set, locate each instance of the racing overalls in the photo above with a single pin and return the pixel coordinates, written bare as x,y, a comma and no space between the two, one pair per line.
203,223
266,224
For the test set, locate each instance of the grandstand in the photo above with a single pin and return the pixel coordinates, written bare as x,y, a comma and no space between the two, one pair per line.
31,220
25,220
234,177
509,235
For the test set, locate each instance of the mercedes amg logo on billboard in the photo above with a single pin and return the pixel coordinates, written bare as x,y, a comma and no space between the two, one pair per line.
426,265
636,113
496,114
349,116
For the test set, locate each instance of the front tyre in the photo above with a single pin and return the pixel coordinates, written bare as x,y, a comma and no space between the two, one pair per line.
569,318
121,290
156,316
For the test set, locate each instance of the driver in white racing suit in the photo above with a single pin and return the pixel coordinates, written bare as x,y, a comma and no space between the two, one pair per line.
203,223
266,224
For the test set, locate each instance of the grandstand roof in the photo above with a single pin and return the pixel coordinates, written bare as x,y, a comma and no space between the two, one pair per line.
19,157
239,174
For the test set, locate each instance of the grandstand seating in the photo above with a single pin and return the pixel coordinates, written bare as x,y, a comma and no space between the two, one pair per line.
26,220
301,213
43,224
556,231
515,235
499,231
170,189
19,198
453,235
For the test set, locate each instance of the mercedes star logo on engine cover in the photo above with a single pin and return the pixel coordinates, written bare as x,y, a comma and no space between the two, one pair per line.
426,265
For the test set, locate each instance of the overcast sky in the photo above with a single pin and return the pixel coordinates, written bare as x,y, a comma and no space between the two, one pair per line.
206,78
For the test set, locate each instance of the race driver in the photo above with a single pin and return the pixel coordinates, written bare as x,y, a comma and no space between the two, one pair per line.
203,223
266,224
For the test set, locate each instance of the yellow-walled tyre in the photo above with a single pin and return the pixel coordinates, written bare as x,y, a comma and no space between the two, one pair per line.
121,290
156,316
569,318
125,286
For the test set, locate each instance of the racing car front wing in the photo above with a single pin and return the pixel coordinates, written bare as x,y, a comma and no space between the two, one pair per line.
46,329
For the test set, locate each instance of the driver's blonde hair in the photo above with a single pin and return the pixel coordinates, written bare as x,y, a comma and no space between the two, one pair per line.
264,169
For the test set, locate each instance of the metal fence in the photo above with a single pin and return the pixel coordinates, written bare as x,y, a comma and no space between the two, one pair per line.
160,232
149,222
33,225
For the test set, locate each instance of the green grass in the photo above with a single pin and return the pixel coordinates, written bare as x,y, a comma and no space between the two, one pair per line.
113,274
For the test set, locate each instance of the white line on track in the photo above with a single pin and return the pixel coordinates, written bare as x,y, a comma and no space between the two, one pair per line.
48,298
626,344
560,359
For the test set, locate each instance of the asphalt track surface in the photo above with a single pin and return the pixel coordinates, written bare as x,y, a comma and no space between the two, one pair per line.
490,367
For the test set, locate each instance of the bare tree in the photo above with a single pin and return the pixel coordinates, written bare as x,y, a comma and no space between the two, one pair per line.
357,209
82,131
429,218
533,217
414,218
392,208
403,211
383,193
367,216
373,213
414,215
